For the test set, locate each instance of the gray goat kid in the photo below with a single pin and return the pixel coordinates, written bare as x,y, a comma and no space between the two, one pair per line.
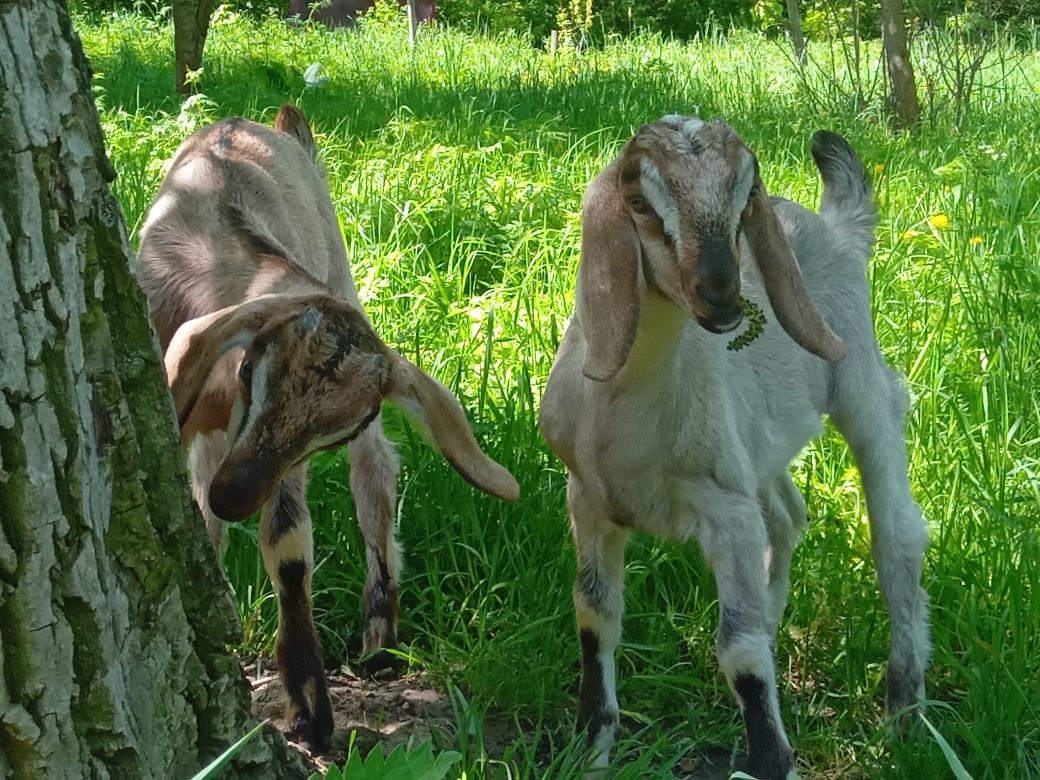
270,359
664,430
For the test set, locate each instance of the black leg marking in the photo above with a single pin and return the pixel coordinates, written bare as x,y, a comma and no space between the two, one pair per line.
590,585
769,758
593,715
380,600
299,660
289,506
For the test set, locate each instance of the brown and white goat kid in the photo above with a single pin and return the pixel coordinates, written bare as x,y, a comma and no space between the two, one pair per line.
271,359
665,430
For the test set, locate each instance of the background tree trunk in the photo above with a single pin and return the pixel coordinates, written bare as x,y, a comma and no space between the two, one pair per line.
190,27
114,614
794,27
906,109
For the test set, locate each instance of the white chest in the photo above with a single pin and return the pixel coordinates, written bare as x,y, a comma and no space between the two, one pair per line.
664,455
654,451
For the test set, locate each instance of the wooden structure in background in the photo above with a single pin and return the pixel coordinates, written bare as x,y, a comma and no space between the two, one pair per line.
342,13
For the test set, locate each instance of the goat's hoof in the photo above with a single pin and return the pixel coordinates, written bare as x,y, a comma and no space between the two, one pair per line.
381,665
315,733
903,720
778,764
904,702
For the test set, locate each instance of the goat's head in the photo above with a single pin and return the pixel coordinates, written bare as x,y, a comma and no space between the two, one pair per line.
671,213
288,376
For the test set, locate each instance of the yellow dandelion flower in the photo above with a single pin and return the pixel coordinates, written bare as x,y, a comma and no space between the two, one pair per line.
879,169
975,240
909,235
939,221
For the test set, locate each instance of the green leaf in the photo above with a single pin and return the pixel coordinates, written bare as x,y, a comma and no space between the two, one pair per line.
401,763
951,757
221,761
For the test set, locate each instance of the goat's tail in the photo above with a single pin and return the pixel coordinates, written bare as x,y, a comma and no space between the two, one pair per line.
847,202
291,121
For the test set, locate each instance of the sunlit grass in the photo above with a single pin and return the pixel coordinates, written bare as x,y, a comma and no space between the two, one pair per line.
457,172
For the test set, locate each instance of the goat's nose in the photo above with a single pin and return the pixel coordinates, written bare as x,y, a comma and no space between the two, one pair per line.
722,301
715,296
237,492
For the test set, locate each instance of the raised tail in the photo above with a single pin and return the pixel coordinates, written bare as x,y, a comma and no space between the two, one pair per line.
291,121
847,202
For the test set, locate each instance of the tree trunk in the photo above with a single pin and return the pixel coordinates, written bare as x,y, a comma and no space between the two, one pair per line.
794,26
114,614
903,101
190,26
413,23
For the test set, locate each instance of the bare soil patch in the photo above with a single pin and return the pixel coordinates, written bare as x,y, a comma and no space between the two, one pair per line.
388,711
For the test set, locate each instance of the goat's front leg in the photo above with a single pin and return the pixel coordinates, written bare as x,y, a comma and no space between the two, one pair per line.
598,605
288,551
373,481
732,533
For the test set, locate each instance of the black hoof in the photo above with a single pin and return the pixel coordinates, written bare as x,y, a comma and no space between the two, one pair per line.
315,734
772,768
381,665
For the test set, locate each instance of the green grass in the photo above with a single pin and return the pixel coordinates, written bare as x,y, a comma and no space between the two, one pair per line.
457,172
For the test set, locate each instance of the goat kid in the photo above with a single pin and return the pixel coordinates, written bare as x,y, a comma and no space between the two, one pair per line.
666,431
270,359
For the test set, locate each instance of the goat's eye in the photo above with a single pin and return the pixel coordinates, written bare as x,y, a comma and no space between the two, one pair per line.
245,373
639,205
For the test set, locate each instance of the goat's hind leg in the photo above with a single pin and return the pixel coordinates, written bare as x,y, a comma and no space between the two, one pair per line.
373,481
899,533
598,605
288,551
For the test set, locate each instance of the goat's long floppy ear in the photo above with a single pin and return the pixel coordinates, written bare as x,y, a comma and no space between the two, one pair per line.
431,405
200,368
608,278
783,281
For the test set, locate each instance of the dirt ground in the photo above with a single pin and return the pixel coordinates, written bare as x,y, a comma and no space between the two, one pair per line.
394,711
389,711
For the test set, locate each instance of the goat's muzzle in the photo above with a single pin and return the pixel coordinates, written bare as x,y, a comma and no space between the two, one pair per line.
240,489
717,285
721,313
722,325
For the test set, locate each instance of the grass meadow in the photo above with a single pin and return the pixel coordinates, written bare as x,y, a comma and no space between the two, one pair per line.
457,171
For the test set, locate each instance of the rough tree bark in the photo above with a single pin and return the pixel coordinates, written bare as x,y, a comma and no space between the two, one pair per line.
906,109
114,614
190,27
794,27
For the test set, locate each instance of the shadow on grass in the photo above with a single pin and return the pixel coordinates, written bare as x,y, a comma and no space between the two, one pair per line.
569,100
